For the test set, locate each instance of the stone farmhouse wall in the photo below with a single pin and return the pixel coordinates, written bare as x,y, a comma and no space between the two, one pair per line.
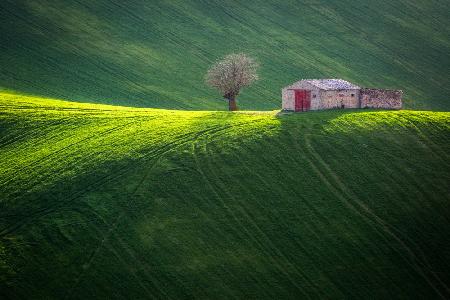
339,99
350,98
288,95
379,98
320,99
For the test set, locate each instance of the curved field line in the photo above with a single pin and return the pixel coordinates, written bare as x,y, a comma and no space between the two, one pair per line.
236,219
48,156
179,143
351,197
35,132
262,233
96,184
268,240
430,144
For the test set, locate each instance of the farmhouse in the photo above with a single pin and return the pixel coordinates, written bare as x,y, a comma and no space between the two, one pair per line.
315,94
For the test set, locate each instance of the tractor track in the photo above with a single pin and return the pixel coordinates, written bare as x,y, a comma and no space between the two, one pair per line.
95,185
173,146
222,190
192,138
60,150
420,265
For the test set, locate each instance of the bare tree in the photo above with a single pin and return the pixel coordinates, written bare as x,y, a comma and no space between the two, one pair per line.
231,74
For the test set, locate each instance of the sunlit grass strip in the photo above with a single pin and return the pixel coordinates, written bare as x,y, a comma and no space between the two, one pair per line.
53,139
376,120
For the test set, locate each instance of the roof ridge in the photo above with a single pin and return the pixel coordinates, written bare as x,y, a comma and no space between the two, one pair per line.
331,83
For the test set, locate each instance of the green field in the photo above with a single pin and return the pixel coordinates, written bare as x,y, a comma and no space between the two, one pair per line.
155,53
121,176
117,202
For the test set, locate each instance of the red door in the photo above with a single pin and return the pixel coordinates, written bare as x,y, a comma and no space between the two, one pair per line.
307,101
302,100
299,96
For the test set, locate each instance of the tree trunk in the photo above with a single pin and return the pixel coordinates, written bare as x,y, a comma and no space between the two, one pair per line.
232,105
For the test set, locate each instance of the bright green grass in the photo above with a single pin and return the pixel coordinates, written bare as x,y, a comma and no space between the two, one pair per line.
155,53
115,202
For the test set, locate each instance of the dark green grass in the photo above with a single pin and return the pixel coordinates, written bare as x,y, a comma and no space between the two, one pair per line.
107,202
155,53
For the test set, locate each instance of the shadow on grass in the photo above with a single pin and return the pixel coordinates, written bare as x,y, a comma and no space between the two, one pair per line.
247,205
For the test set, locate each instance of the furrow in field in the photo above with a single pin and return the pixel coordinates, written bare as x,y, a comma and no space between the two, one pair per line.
214,182
364,211
190,137
51,156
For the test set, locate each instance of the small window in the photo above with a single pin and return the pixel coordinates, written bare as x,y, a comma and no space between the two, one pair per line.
353,95
314,96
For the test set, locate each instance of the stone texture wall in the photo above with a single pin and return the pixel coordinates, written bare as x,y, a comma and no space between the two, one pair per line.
379,98
323,99
339,99
288,95
287,99
320,99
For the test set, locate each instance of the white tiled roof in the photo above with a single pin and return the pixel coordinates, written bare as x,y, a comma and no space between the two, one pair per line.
332,84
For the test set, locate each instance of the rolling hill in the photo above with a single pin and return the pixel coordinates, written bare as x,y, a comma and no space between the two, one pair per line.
118,202
155,53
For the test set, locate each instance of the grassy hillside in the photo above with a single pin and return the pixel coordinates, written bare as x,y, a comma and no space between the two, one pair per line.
118,202
155,53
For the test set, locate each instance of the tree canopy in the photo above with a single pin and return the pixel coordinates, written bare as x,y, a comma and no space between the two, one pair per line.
230,74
